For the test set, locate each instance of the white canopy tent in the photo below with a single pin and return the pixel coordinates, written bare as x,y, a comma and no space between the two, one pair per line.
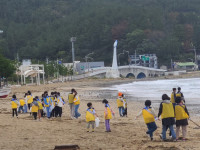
33,71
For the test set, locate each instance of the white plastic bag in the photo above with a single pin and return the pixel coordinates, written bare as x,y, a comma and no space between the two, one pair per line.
45,110
97,121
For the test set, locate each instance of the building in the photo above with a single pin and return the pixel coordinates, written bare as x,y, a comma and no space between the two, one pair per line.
189,66
146,60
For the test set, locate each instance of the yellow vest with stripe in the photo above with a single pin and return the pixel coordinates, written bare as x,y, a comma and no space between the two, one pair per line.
71,98
14,104
40,107
90,116
21,102
167,110
109,113
180,113
148,117
34,108
47,99
119,103
30,99
77,101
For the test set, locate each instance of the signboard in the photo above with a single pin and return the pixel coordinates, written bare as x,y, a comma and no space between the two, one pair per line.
145,58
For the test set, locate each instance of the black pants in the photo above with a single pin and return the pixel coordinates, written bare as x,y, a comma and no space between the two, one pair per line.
58,111
35,115
14,111
125,112
29,106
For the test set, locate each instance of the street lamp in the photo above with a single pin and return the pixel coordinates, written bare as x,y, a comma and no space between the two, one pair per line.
73,39
86,59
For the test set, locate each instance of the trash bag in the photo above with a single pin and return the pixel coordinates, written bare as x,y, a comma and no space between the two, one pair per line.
97,121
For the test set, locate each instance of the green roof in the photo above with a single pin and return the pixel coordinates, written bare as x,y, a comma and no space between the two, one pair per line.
182,64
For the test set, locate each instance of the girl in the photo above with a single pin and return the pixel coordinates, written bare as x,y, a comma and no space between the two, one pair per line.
14,104
182,115
107,115
76,105
29,100
90,117
40,107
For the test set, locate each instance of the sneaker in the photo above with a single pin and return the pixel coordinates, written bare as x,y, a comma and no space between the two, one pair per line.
160,135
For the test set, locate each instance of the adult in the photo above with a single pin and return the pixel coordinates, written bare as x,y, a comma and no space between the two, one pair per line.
47,104
76,105
173,96
71,102
166,111
120,104
180,94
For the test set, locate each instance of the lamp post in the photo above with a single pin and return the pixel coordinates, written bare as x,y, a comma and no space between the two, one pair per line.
86,59
73,39
1,31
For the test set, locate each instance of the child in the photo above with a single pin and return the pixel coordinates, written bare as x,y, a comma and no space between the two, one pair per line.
107,115
125,106
90,117
182,116
120,104
14,104
40,107
148,115
21,105
166,111
34,109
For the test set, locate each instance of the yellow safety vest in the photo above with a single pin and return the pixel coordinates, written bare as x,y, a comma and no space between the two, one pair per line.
180,113
109,113
30,99
78,101
178,94
40,107
13,104
34,108
167,110
21,102
148,117
119,103
172,98
90,116
71,98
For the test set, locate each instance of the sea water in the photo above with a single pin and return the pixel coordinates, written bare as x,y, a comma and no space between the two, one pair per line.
153,90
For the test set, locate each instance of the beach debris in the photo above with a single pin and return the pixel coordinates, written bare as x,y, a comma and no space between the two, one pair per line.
67,147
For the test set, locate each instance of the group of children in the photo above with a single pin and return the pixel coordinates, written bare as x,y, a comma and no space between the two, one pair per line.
51,106
172,111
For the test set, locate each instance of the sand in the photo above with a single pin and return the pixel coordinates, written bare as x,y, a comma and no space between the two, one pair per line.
127,133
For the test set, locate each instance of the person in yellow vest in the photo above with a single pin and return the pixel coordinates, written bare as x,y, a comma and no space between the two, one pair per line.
166,111
173,96
108,113
40,107
35,108
76,106
120,104
180,94
149,118
182,116
71,102
125,106
14,104
29,100
21,105
90,117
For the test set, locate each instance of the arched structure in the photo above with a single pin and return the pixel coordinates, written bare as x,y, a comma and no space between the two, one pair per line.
141,75
130,75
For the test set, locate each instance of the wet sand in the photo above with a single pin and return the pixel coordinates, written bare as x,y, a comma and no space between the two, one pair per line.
127,133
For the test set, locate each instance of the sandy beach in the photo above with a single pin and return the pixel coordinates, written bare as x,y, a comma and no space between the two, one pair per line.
127,133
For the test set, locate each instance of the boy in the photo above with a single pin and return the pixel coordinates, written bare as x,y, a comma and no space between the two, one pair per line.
90,117
166,111
182,116
120,104
149,115
21,107
14,104
173,96
35,108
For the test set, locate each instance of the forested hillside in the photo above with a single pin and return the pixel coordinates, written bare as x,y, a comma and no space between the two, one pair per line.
42,28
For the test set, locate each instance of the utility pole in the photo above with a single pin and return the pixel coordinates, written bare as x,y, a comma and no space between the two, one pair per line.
73,39
135,57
